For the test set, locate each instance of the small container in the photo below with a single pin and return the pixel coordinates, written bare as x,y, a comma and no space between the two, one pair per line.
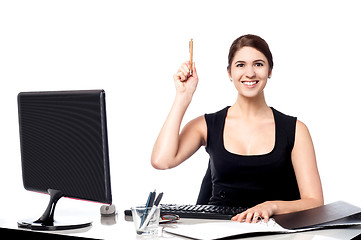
146,220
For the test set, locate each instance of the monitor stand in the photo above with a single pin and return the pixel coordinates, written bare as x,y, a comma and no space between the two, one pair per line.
47,222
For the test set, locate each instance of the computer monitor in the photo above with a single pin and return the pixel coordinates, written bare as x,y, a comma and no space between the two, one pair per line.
64,150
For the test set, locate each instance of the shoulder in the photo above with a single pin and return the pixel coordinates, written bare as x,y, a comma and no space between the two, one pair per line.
303,141
198,121
219,115
303,150
285,122
284,118
302,130
286,126
220,112
208,118
197,127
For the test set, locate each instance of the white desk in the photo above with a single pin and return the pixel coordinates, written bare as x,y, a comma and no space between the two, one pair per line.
118,228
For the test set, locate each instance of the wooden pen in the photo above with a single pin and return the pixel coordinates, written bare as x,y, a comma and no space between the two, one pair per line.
191,55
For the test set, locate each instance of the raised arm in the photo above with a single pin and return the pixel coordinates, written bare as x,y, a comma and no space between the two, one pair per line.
171,147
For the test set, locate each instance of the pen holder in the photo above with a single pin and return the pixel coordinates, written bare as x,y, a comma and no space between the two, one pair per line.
146,220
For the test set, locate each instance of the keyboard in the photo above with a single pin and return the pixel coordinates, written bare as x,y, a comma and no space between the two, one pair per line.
198,211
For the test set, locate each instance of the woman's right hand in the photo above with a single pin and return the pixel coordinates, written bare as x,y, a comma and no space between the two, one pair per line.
186,83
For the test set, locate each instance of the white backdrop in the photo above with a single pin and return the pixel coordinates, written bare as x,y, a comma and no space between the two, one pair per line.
131,50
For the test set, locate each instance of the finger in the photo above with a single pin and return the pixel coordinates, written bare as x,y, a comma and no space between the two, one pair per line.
185,69
266,218
241,217
256,218
177,76
249,217
182,73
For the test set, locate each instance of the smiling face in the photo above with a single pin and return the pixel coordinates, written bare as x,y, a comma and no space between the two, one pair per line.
249,71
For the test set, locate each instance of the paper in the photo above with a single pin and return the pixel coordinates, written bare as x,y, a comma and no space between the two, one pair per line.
216,230
331,215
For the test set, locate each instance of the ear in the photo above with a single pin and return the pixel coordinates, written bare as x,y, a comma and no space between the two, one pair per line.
229,73
270,74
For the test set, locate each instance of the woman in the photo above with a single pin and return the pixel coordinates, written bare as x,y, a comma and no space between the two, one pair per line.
260,158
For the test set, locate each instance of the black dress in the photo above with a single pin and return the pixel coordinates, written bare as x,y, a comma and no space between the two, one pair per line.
245,181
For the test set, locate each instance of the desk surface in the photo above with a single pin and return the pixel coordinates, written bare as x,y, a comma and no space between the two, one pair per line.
116,226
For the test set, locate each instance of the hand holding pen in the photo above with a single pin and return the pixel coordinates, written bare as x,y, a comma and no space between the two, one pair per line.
186,78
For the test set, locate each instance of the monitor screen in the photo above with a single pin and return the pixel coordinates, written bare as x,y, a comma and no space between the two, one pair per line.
64,146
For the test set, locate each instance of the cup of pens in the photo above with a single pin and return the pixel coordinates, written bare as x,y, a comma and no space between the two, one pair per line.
146,220
146,217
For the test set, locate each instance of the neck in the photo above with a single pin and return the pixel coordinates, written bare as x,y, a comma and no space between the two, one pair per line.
251,107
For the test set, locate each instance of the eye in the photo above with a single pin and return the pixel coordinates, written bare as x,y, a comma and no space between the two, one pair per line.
240,65
258,64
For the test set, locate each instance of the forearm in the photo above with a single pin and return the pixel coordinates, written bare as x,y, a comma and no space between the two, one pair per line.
166,146
281,207
270,208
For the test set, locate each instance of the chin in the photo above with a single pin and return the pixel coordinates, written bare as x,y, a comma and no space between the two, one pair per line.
251,95
248,96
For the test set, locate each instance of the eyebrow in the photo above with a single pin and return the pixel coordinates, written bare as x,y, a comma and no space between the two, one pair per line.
258,60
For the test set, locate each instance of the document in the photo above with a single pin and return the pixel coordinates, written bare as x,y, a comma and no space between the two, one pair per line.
338,214
222,229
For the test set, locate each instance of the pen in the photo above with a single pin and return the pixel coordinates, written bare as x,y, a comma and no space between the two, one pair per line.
191,54
149,204
150,215
151,200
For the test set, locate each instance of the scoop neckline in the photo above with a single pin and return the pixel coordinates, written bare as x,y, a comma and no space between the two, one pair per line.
253,155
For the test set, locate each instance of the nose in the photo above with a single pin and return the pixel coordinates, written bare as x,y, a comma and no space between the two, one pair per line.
249,72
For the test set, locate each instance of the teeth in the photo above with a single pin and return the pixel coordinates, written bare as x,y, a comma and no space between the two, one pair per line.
250,83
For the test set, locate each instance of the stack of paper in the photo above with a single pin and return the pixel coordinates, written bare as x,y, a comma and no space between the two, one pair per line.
331,215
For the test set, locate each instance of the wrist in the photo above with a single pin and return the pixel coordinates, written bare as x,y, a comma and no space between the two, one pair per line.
183,98
274,206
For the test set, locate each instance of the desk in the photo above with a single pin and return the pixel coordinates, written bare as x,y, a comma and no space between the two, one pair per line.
117,228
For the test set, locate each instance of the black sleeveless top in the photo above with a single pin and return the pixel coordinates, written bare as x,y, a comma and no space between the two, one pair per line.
247,180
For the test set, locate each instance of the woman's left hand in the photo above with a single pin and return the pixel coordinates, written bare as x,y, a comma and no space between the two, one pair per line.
261,211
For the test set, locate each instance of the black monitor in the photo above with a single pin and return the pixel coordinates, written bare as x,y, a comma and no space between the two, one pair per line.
64,150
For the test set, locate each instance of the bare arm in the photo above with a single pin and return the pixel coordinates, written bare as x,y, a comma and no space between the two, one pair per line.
172,148
308,179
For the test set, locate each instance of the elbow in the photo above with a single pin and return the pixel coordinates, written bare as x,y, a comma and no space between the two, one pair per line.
319,199
316,202
321,202
158,164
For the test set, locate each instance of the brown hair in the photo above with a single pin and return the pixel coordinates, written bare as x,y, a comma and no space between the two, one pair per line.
250,40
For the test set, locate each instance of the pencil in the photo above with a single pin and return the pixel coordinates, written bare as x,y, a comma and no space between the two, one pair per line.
191,54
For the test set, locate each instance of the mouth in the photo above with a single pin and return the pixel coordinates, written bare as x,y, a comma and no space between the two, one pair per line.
250,83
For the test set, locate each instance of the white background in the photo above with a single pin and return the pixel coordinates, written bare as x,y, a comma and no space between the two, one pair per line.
131,49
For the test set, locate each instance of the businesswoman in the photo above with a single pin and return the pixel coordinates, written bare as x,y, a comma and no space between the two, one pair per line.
260,158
